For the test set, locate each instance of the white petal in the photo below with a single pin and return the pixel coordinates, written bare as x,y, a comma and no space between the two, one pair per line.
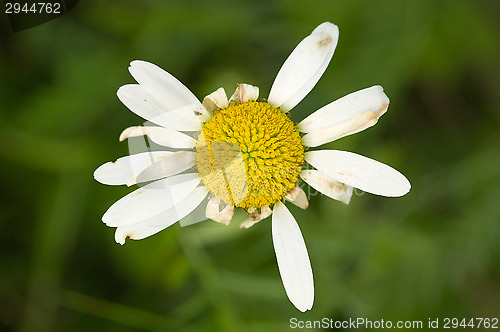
326,185
298,197
292,257
304,67
213,211
265,212
171,164
166,88
371,100
216,100
150,200
360,172
162,136
163,220
244,93
142,103
345,116
125,169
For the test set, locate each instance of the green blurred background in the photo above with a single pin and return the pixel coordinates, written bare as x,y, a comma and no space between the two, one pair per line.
432,253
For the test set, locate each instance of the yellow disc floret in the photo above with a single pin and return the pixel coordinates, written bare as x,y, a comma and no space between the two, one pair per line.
249,154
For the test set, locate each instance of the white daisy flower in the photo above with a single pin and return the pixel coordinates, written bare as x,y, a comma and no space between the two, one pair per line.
246,153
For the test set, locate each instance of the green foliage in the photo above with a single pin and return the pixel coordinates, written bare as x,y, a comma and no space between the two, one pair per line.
433,253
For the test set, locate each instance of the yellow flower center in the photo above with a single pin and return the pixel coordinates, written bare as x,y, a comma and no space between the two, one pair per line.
249,154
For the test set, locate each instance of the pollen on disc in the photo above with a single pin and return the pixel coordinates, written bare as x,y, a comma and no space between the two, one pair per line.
249,154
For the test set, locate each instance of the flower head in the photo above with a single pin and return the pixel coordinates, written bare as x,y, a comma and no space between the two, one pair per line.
247,153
